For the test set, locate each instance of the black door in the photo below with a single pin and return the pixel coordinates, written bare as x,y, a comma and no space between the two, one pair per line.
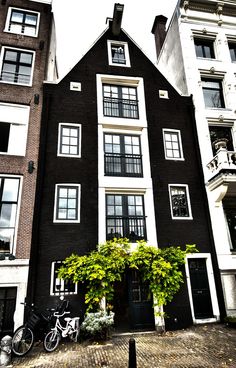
133,304
141,313
200,288
7,309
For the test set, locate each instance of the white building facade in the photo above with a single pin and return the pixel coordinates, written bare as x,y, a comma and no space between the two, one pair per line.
199,57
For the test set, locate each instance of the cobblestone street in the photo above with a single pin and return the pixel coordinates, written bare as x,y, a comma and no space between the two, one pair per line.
208,346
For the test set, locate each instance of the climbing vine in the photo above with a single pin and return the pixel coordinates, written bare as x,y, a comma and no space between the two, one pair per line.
101,268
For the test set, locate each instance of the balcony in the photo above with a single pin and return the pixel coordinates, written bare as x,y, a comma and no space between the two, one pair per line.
222,171
123,165
121,108
132,227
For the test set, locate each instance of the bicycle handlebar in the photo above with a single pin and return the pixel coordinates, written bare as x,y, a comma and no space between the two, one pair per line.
56,314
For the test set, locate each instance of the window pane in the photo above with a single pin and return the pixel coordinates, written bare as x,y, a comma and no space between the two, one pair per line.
10,190
31,19
179,202
118,54
26,58
10,55
16,16
232,50
8,215
72,214
6,239
62,214
62,203
213,94
62,192
72,193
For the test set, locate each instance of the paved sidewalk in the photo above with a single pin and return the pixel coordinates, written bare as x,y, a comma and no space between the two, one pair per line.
209,346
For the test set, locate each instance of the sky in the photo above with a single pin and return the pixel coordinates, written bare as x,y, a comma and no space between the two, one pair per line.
80,23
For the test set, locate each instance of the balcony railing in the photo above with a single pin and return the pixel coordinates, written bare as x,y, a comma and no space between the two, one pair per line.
15,77
133,228
122,108
223,160
123,165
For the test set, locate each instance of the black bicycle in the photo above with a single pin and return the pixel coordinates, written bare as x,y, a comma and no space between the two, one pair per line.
35,328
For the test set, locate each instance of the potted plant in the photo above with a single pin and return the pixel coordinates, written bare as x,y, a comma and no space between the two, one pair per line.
98,325
220,143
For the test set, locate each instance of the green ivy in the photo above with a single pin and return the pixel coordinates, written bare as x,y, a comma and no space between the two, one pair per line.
101,268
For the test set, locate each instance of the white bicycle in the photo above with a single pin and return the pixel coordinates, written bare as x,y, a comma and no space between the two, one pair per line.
71,329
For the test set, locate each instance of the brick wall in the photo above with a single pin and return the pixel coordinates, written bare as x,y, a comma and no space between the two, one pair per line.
25,95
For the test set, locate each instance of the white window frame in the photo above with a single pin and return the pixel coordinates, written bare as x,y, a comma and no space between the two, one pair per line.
61,282
178,133
73,125
13,245
18,118
126,50
10,9
123,81
185,186
57,186
32,66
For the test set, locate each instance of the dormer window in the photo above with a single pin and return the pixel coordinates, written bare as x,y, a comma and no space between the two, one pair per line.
118,53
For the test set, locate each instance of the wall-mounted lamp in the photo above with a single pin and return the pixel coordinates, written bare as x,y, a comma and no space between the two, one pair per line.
31,167
36,99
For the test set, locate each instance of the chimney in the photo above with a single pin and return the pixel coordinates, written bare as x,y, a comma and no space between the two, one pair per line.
117,19
159,31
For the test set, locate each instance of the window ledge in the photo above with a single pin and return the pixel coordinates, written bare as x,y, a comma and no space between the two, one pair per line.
182,218
21,35
17,84
218,108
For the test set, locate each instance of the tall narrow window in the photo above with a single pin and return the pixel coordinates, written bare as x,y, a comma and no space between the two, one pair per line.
9,197
17,66
172,144
67,198
22,21
125,217
179,200
60,286
232,50
204,48
69,140
213,93
120,101
229,205
122,155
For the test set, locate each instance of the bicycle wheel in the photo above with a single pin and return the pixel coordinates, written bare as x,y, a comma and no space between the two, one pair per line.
22,341
51,341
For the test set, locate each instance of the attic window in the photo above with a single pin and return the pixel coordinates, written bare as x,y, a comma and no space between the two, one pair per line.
118,53
163,93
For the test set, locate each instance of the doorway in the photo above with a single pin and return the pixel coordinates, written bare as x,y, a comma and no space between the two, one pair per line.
133,304
200,289
7,309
